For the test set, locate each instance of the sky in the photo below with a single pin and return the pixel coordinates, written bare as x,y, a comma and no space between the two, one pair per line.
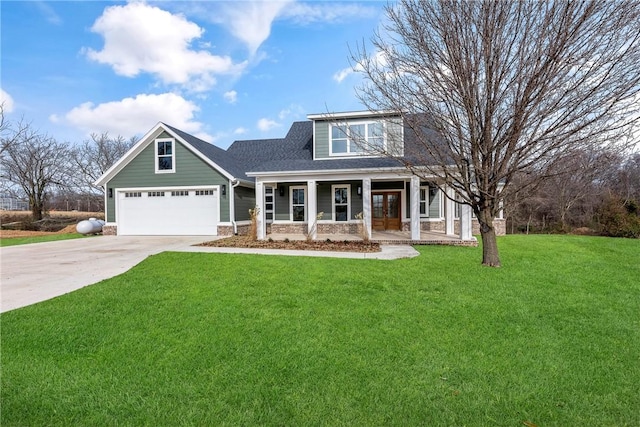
222,71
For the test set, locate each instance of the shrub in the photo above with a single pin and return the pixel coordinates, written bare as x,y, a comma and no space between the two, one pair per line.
619,219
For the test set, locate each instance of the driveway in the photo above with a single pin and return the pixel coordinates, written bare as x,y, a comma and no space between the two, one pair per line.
40,271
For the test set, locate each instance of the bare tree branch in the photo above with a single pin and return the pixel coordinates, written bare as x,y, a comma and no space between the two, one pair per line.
507,86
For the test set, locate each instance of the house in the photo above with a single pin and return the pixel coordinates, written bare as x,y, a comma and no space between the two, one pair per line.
323,177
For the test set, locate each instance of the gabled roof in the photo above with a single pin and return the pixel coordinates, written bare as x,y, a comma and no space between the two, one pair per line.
296,146
215,157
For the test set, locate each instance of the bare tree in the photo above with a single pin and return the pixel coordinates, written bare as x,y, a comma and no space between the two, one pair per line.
493,89
94,156
34,162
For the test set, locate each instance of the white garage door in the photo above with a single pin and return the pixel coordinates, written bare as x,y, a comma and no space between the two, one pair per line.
168,212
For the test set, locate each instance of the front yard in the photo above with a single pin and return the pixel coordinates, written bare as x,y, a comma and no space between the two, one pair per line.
551,339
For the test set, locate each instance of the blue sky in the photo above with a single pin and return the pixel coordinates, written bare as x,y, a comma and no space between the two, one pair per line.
218,70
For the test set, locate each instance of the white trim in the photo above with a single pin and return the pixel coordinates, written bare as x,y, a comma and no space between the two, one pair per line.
333,202
306,194
353,114
148,139
156,155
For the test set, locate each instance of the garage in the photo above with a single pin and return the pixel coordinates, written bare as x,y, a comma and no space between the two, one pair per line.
168,211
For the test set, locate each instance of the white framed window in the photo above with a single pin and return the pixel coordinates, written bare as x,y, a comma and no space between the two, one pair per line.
133,194
431,202
165,155
155,194
341,202
297,199
204,192
179,193
269,202
357,138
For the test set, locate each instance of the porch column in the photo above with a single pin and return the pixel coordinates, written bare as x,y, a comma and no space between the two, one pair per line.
449,211
261,223
465,222
415,208
312,207
366,205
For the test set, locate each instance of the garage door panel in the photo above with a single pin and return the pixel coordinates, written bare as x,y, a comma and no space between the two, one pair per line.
168,214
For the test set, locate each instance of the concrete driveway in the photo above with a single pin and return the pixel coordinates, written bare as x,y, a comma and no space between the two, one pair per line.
40,271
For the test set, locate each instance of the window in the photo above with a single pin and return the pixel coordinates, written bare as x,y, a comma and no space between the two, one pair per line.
180,193
430,202
133,194
341,202
155,194
269,202
297,203
204,192
165,156
357,138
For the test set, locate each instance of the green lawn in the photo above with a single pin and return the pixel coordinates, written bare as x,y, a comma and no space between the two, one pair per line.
13,241
552,338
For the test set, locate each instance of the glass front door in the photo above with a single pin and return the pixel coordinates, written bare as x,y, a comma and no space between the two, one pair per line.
385,211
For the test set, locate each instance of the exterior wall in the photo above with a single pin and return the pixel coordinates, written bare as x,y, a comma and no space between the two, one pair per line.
227,230
325,198
321,141
109,230
245,199
291,228
432,226
190,170
340,228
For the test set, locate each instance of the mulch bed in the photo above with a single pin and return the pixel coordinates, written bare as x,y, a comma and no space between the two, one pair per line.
325,245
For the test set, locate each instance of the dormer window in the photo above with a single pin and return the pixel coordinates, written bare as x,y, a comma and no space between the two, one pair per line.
357,138
165,155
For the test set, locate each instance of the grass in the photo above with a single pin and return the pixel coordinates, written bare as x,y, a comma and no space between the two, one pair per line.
13,241
552,339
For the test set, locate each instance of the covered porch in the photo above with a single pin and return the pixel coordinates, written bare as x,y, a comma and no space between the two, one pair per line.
385,238
380,206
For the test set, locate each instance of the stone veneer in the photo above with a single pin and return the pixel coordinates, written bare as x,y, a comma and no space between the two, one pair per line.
300,228
109,230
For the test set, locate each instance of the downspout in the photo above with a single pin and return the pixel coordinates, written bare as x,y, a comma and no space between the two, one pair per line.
234,184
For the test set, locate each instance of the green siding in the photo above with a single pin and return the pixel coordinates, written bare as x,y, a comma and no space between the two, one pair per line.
245,199
321,142
282,203
434,203
325,198
190,170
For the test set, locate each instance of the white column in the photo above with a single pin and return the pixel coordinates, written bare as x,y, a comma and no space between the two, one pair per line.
415,208
262,229
366,205
465,222
449,211
312,209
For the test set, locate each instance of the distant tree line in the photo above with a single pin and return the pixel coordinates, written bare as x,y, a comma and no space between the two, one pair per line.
49,174
586,193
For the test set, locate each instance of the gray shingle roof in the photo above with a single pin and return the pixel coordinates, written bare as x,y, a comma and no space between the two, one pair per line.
219,156
292,153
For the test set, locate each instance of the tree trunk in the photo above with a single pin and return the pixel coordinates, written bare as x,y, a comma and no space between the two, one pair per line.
490,256
36,210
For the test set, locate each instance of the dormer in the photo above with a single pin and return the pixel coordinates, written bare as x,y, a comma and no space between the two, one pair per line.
357,134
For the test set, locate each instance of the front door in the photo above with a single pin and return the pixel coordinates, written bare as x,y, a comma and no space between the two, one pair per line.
385,211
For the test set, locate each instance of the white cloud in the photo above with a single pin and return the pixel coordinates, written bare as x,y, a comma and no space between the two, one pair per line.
7,101
265,124
47,11
378,59
134,116
292,110
311,12
240,131
249,21
143,38
231,96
